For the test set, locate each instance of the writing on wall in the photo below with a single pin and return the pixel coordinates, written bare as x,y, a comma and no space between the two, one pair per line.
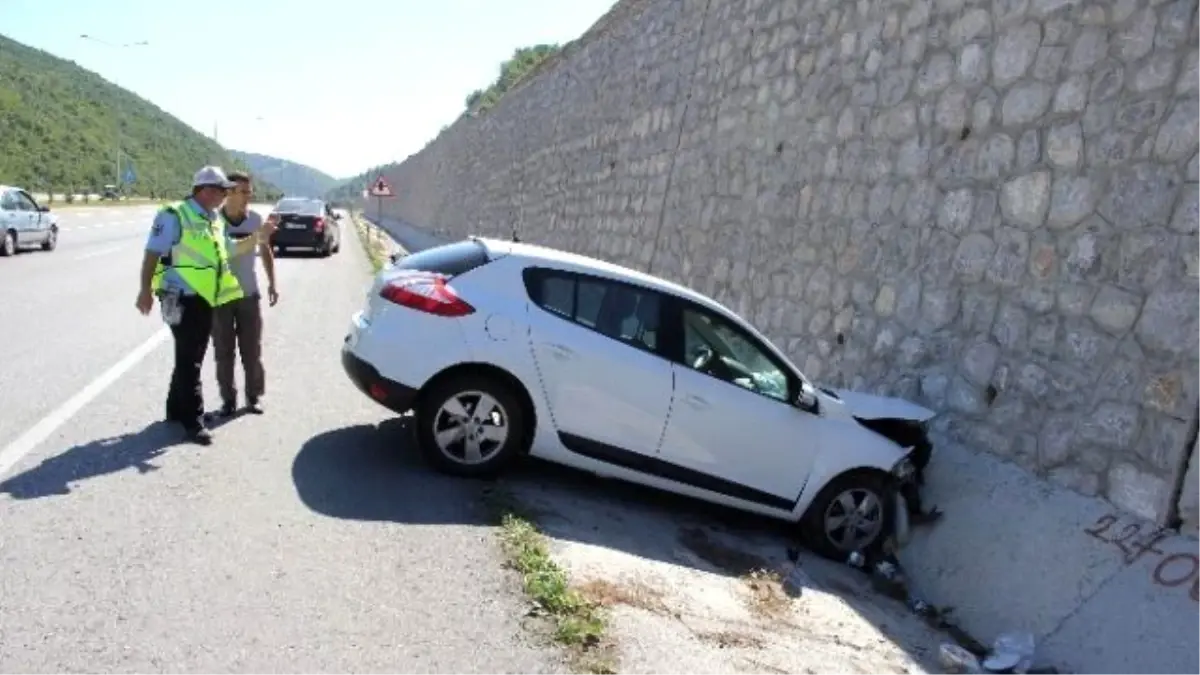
1136,540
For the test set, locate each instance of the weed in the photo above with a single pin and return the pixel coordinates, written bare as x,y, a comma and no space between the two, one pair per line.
376,252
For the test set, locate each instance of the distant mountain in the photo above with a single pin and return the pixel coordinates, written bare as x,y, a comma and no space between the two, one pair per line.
58,131
294,179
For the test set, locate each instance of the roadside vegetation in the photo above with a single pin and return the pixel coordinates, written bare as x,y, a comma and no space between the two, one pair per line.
59,123
373,240
577,620
513,71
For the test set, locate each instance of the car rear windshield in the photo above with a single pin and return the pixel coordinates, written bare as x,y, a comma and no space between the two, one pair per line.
306,207
448,259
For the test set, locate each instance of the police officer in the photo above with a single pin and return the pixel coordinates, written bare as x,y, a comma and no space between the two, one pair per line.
186,265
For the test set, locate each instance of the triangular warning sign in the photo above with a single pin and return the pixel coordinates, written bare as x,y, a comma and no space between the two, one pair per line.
380,188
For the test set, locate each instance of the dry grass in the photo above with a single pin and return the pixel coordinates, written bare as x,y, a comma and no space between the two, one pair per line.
768,599
607,593
732,639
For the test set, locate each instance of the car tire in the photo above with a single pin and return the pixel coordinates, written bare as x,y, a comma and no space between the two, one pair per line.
8,245
51,241
327,249
434,414
836,543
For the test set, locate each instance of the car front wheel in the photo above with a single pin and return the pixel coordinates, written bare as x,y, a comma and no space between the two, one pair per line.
470,425
852,513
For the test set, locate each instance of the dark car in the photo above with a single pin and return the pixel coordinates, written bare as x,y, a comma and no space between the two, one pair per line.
306,223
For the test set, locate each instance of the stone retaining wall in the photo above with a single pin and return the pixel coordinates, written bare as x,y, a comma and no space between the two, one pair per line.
989,207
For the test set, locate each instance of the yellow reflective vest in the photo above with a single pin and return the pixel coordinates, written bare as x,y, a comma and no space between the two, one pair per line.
200,257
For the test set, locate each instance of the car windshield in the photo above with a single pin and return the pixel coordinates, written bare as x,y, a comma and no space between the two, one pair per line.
307,207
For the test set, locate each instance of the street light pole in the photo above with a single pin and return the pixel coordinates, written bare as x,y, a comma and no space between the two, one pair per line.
116,111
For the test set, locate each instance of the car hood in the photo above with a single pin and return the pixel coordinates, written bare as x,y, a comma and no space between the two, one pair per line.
873,407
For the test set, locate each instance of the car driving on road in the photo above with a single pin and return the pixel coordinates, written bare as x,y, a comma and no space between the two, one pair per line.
505,348
24,223
306,223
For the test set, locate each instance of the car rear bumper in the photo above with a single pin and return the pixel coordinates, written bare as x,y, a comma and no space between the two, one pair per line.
398,398
301,238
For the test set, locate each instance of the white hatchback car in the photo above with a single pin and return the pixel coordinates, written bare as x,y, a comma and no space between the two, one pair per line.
503,349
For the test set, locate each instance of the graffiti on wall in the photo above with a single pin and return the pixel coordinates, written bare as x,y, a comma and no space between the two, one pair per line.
1169,567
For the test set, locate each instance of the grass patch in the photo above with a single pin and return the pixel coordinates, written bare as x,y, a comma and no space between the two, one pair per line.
577,621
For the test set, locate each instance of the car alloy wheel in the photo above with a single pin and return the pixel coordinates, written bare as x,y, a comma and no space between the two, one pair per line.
470,428
7,245
854,519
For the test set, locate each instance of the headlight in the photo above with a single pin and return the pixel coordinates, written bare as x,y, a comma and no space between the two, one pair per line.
903,470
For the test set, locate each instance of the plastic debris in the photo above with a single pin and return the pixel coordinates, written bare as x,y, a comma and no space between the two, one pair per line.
1003,662
956,659
795,581
856,560
1012,652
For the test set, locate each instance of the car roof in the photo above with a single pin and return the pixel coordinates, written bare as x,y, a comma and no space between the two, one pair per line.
564,259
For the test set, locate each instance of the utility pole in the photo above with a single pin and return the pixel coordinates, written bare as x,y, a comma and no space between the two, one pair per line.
116,112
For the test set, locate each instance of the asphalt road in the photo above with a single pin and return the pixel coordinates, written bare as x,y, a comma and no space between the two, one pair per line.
307,539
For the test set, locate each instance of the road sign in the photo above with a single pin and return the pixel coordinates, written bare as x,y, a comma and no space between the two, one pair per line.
380,188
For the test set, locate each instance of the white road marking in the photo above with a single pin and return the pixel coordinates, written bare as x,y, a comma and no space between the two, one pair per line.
39,432
103,251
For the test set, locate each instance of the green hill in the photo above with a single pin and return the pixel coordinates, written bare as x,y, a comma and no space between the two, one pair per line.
57,127
294,179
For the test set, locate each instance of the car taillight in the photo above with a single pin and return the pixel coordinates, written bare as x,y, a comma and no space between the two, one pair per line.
319,224
426,293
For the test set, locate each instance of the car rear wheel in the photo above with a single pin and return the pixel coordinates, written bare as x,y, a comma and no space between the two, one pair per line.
470,425
852,513
8,245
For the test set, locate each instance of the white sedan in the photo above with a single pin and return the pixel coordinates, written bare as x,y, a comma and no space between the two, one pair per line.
24,223
504,349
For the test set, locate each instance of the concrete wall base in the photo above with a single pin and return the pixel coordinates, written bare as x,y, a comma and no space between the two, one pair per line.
1103,592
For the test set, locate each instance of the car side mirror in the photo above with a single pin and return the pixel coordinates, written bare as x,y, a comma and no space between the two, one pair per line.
44,209
806,400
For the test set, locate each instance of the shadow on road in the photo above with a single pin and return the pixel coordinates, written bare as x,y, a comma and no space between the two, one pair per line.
370,473
109,455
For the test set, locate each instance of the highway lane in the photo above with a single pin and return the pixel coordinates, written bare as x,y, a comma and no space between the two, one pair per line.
306,539
69,312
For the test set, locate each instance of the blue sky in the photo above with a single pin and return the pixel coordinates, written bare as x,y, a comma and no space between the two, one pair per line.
340,85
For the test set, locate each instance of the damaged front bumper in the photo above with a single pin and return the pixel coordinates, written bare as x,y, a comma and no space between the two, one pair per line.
905,475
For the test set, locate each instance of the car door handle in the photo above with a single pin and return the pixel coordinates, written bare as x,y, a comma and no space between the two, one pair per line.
695,401
560,351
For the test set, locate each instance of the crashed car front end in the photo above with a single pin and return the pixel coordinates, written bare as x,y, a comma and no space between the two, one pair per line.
907,425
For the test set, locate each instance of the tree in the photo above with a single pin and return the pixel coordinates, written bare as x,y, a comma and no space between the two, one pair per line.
520,65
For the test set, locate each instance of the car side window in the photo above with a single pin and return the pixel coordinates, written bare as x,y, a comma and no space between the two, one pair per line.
8,201
716,347
624,313
25,202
